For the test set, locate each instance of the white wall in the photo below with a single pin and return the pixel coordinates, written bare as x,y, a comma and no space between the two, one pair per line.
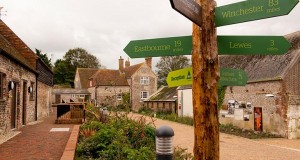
185,100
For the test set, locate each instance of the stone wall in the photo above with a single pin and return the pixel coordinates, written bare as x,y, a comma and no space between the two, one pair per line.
292,79
274,108
22,78
44,100
106,95
137,87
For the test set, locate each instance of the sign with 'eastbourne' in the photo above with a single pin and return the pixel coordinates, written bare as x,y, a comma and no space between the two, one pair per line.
227,45
228,77
171,46
251,10
188,8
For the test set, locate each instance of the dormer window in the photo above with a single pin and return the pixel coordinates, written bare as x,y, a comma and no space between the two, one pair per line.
144,80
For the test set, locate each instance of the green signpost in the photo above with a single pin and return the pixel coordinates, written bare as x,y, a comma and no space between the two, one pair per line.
228,77
247,45
171,46
252,10
227,45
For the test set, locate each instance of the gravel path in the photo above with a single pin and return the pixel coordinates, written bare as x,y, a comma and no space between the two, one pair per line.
234,147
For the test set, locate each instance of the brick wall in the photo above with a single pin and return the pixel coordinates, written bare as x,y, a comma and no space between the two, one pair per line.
15,72
43,100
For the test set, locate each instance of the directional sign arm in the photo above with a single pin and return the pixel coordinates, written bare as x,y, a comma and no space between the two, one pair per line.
251,10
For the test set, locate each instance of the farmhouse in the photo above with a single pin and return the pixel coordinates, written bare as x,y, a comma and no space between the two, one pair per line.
107,86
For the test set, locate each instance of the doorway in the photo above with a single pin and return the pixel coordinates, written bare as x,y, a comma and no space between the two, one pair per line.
14,103
24,104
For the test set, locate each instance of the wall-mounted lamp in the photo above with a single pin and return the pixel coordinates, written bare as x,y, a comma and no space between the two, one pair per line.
30,89
11,85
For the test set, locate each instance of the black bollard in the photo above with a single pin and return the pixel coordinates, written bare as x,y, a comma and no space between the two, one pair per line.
164,143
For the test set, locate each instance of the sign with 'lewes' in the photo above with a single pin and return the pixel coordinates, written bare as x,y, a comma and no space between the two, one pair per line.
252,10
227,45
188,8
228,77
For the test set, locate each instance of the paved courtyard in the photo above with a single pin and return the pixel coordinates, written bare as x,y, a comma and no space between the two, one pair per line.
46,141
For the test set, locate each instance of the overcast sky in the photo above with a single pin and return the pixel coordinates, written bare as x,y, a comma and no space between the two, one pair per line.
105,27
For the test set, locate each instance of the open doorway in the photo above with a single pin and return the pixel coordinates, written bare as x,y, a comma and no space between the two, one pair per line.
24,104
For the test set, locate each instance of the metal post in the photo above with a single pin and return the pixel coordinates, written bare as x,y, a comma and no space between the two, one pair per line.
164,143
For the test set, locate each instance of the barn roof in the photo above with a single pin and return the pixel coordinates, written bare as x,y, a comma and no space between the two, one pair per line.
264,67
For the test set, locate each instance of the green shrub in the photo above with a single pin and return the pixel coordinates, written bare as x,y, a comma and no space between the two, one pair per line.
120,138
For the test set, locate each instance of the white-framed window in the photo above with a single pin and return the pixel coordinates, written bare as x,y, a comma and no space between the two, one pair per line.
144,80
119,97
73,96
144,94
81,96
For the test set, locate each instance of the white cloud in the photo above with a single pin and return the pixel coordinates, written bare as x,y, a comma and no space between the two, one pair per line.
105,27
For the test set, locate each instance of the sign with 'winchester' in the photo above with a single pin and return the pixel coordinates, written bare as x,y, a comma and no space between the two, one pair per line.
251,10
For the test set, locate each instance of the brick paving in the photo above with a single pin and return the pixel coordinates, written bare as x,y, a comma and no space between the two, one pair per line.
36,142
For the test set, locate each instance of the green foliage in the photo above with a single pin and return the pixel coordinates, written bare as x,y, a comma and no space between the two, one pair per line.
167,64
173,117
80,58
62,75
65,69
221,95
231,129
182,154
44,58
145,110
120,138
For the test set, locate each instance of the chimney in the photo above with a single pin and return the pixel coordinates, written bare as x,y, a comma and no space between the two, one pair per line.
127,63
148,61
121,63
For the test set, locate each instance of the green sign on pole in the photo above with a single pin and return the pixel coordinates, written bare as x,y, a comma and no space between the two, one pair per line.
227,45
171,46
247,45
252,10
228,77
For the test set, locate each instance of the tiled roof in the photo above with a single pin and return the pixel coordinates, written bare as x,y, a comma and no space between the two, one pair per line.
107,77
129,71
85,74
18,44
164,94
10,51
264,67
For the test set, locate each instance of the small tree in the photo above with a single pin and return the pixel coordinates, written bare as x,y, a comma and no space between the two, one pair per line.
168,64
44,58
